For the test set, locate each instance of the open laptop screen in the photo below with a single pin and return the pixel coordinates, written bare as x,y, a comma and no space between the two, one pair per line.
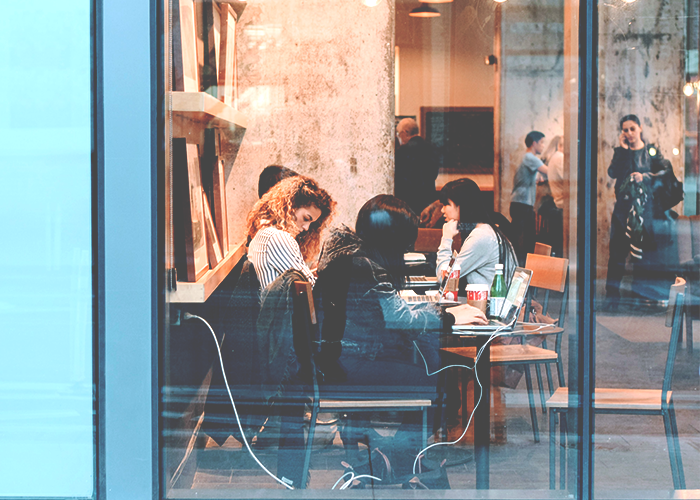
516,295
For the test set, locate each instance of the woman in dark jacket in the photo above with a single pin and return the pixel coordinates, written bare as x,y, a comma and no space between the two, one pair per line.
638,169
368,330
359,275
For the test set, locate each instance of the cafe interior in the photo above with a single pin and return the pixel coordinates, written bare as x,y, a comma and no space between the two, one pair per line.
319,87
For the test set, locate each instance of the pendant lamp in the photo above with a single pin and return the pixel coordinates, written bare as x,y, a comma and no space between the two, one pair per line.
424,11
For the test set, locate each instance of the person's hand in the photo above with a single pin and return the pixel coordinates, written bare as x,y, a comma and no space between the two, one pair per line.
449,230
623,141
467,315
637,177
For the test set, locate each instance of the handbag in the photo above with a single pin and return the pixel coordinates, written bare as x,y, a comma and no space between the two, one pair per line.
669,192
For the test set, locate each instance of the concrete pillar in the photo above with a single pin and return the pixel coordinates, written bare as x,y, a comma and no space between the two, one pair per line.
316,83
532,81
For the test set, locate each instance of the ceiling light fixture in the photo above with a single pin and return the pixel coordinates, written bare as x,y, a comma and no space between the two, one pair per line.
499,1
424,11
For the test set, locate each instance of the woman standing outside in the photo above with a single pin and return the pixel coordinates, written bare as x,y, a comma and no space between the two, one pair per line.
637,169
484,244
285,227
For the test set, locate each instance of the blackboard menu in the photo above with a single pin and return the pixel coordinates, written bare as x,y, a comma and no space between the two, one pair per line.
462,137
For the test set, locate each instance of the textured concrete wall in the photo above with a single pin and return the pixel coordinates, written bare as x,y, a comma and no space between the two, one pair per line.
642,60
316,83
532,80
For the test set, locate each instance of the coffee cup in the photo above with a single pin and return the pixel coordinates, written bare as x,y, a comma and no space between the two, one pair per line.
478,296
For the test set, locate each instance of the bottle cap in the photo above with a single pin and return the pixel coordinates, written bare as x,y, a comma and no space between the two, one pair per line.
499,266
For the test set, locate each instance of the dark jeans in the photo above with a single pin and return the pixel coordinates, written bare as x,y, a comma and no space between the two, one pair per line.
552,227
523,228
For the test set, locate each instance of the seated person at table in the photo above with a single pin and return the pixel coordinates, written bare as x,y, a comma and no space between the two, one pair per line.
285,227
484,244
271,175
367,329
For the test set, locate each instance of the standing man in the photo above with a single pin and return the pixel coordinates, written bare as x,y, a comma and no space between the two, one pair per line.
415,169
522,200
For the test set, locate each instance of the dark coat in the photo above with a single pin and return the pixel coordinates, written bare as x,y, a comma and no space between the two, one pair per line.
627,161
368,330
415,172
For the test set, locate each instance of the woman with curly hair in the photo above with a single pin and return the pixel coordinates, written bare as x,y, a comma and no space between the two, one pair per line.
284,228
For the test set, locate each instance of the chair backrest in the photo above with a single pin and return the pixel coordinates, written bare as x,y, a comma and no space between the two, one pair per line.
685,239
302,289
674,311
550,274
695,233
542,249
428,240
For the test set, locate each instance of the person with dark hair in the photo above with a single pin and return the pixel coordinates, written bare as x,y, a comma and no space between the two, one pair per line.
366,268
415,167
522,201
271,175
484,244
367,330
639,225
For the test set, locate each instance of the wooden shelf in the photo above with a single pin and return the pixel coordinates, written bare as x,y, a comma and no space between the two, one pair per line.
199,291
202,107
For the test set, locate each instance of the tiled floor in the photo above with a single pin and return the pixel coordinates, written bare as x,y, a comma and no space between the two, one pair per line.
630,452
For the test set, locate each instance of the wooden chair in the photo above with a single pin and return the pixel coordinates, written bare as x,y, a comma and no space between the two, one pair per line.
549,274
630,401
304,306
428,240
542,249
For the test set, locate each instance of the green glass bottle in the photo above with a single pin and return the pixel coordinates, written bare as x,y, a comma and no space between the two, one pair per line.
498,293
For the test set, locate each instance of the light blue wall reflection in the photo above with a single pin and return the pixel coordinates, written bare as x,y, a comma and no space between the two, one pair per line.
46,384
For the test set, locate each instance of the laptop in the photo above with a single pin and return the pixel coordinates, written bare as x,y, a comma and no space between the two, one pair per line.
421,281
515,299
412,297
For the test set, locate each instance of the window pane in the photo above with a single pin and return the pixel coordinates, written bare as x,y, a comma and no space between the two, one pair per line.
46,372
647,138
366,99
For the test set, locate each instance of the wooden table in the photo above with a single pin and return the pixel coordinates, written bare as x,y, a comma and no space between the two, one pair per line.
482,414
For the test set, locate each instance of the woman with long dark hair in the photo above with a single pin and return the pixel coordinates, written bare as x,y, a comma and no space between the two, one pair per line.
483,243
370,336
364,269
640,226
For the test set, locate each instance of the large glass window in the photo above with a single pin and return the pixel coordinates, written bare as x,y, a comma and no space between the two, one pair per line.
647,141
464,115
46,291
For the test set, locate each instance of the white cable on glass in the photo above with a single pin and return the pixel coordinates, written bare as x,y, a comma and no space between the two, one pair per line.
476,376
187,316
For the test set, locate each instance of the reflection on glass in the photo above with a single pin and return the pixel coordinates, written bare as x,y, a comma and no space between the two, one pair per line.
347,385
648,68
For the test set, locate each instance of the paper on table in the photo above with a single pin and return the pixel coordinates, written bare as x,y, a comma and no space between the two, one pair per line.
414,257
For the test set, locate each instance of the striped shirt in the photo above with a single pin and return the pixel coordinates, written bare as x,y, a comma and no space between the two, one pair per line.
274,251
